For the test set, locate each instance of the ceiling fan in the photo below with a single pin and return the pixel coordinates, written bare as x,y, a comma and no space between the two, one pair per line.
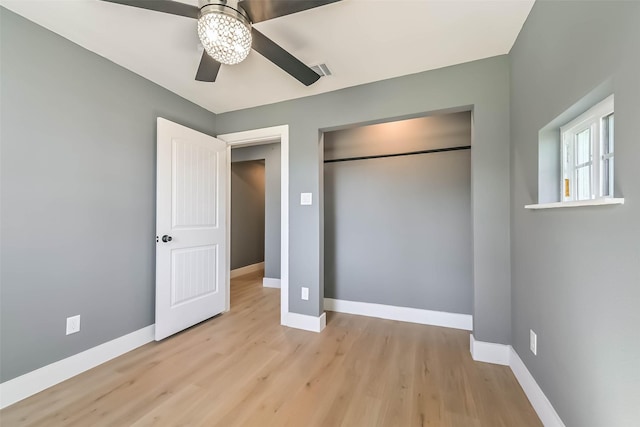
227,34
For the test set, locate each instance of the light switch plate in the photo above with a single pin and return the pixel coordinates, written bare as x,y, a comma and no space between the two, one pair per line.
306,199
305,294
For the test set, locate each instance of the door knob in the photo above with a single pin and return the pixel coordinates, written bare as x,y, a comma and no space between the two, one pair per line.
166,238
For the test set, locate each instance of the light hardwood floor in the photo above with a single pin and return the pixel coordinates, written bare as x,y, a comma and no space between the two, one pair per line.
243,369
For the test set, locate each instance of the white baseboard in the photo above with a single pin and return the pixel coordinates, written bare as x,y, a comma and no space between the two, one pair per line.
305,322
268,282
536,396
246,270
489,352
34,382
502,354
403,314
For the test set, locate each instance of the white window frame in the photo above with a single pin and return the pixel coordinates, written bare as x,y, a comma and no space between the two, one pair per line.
592,119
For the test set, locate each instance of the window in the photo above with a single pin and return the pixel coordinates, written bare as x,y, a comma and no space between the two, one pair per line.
587,154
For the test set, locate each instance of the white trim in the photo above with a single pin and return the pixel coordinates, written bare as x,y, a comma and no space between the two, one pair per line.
536,396
489,352
246,270
34,382
306,322
263,136
403,314
269,282
578,203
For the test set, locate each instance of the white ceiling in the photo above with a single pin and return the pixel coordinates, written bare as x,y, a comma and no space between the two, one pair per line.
361,41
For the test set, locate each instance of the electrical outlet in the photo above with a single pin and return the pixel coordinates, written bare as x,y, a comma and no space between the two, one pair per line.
73,324
533,342
306,199
305,294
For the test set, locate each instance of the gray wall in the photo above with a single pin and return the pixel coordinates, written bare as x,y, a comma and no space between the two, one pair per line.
78,140
398,229
247,213
270,153
482,85
587,321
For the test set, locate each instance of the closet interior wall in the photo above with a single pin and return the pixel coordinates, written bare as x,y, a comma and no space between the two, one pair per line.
398,227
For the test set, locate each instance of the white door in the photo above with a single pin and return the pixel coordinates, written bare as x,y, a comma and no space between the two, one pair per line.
190,228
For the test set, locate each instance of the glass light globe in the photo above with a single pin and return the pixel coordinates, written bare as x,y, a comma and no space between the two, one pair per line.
226,38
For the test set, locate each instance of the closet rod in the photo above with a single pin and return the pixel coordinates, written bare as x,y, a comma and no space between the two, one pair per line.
435,150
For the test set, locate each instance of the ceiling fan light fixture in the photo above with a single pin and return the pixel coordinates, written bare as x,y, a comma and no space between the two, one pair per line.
225,33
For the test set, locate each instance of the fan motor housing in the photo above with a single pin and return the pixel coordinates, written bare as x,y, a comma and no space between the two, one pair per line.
207,6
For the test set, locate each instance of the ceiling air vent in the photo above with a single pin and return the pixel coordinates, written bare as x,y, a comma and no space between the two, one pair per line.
322,70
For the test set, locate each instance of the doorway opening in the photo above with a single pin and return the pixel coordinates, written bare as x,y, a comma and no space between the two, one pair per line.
248,194
252,141
255,211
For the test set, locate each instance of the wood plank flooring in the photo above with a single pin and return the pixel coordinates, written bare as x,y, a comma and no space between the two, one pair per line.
243,369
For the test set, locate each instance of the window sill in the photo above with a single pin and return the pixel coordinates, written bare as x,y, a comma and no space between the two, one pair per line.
578,203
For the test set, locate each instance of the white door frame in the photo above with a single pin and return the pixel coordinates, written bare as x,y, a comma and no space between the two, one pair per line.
258,137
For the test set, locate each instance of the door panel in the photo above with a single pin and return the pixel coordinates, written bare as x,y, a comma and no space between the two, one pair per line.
194,188
191,228
193,273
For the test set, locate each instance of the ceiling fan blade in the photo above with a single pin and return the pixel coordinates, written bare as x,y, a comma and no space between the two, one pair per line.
208,68
262,10
283,59
166,6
